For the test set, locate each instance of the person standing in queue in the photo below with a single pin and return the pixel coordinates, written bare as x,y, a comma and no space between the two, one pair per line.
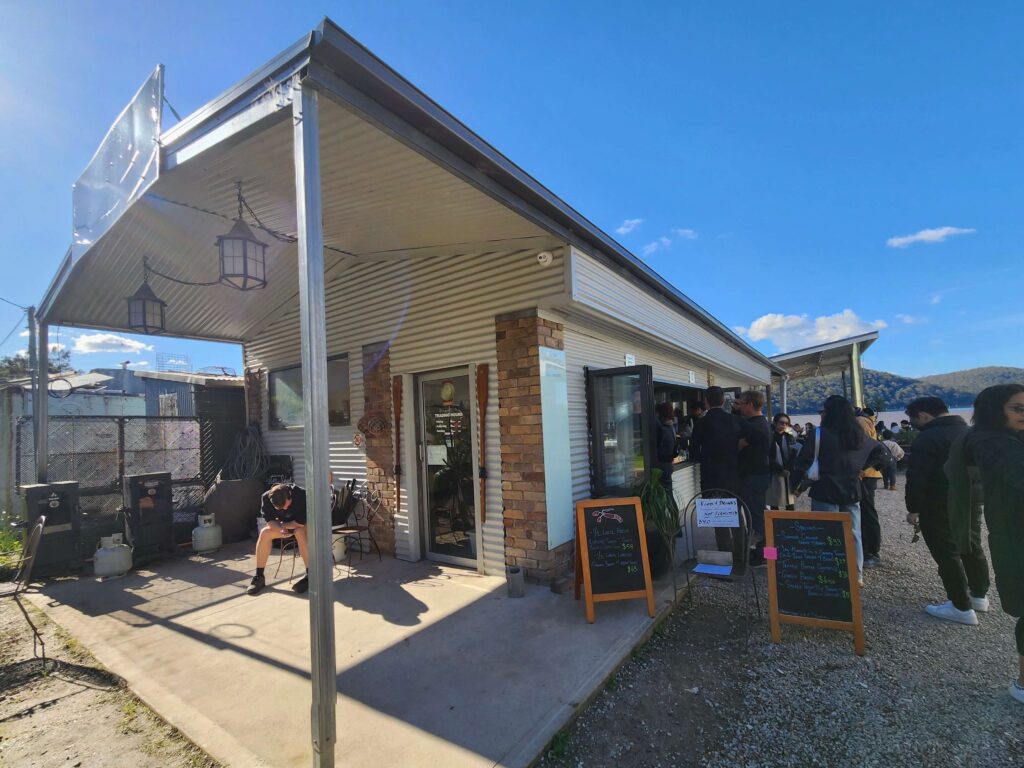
960,569
780,459
996,446
870,525
715,444
755,474
843,452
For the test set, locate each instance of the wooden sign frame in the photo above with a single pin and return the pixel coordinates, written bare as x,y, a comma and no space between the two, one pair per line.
856,626
583,557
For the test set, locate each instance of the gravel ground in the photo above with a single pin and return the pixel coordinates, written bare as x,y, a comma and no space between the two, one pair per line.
703,693
80,715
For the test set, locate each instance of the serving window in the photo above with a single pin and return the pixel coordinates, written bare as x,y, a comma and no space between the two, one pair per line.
620,403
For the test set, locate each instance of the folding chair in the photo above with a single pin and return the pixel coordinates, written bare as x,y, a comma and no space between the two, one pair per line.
22,579
738,539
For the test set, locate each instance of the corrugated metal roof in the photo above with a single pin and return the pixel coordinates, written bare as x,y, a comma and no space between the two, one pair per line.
823,359
380,194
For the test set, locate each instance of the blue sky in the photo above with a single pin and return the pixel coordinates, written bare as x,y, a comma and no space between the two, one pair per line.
803,171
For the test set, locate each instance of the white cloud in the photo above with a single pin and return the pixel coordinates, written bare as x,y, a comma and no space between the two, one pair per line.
936,235
911,319
650,248
24,334
92,343
629,225
685,234
789,332
936,298
139,364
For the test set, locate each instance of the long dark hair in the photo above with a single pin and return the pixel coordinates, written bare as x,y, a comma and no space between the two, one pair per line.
839,417
988,405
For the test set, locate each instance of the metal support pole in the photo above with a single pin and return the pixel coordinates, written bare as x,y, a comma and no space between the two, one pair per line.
33,378
309,210
856,377
846,392
41,405
784,393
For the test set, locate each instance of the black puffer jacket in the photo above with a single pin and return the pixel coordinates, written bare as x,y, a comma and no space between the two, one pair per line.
839,467
927,487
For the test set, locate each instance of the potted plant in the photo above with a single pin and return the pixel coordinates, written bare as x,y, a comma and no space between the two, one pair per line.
661,521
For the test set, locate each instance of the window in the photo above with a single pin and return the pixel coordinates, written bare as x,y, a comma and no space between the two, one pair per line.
286,395
620,402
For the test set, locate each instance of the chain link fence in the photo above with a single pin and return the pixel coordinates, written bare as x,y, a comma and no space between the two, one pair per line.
99,451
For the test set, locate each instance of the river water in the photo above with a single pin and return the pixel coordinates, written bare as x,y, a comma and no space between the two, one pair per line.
887,416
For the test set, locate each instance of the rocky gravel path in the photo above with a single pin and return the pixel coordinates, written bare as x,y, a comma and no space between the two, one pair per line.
701,693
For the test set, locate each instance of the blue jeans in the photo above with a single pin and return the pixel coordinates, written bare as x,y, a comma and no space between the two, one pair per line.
854,512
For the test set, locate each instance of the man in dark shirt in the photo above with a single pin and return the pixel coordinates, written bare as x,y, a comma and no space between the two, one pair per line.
754,472
715,444
284,509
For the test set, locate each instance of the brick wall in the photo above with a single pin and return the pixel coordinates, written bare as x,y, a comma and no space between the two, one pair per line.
380,449
519,336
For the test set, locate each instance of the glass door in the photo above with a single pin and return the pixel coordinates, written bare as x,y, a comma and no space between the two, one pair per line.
621,409
447,466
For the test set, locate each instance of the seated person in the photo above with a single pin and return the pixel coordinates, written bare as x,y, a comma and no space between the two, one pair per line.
284,509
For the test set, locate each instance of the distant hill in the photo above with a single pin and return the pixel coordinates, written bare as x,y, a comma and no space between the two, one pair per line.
976,379
889,392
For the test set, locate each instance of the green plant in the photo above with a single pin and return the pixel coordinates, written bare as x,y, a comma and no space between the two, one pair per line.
453,482
560,744
660,511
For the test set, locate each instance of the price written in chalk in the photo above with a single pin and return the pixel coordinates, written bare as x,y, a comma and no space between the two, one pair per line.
718,513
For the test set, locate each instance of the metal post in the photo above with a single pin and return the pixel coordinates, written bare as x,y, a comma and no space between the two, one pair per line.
846,392
856,377
784,393
41,405
33,378
309,210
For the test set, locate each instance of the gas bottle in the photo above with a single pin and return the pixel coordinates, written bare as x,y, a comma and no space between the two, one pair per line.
113,557
207,536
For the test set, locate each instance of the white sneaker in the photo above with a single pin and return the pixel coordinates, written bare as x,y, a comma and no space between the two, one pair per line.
1017,691
979,604
950,612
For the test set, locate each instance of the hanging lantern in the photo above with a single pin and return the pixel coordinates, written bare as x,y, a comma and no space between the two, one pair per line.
145,310
242,256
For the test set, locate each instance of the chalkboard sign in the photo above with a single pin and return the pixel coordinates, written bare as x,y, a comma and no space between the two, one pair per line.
812,577
611,552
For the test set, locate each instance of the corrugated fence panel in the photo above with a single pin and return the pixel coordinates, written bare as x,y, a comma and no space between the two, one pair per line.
597,286
438,313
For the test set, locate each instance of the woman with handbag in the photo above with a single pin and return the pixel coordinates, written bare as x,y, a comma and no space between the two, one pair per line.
830,464
781,453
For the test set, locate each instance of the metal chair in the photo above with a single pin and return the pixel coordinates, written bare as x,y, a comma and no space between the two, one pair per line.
22,579
354,511
737,539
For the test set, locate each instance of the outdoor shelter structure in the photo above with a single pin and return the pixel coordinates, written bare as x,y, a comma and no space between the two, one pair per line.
428,306
835,357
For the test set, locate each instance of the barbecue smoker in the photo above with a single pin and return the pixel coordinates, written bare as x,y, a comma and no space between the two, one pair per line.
59,547
149,508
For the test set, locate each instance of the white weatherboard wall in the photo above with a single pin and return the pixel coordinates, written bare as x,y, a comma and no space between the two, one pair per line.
438,313
588,346
605,291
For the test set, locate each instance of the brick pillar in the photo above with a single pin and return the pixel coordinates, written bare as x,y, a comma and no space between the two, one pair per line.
519,336
380,449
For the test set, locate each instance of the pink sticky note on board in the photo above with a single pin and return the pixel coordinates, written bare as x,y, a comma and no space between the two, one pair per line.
771,553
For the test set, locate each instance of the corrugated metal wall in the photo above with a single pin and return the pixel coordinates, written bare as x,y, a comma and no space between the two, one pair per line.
598,287
184,393
439,313
586,345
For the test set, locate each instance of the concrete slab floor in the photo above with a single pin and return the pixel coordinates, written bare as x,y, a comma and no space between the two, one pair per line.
436,665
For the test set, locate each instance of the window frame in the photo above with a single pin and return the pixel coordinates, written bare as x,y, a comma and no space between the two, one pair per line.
275,424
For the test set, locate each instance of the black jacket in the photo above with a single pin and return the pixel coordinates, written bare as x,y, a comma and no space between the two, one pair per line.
716,445
296,512
927,487
839,468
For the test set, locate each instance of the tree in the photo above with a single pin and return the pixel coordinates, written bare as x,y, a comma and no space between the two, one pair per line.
16,366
